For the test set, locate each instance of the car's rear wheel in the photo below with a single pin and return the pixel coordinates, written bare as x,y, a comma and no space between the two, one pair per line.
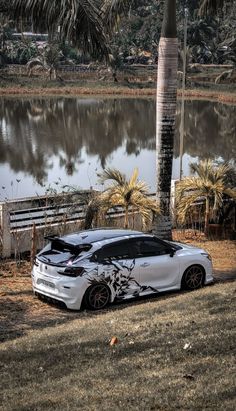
193,277
97,297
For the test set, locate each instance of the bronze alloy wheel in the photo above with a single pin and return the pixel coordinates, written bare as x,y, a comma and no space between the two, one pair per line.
97,296
193,277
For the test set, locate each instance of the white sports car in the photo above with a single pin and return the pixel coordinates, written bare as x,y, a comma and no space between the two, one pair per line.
96,267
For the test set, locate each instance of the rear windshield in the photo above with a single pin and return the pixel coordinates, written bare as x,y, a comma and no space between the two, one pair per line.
58,251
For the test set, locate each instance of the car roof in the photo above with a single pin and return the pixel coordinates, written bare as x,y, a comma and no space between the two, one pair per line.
97,235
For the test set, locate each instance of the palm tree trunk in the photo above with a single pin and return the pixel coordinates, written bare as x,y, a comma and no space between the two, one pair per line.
165,118
207,214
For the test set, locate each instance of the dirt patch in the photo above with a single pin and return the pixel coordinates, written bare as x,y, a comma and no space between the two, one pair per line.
20,310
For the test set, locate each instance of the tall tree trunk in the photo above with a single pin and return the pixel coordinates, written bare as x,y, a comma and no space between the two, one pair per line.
165,117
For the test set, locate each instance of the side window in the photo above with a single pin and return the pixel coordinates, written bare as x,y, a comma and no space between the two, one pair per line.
118,251
148,248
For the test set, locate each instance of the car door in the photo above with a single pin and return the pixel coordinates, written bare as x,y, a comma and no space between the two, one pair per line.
116,265
158,266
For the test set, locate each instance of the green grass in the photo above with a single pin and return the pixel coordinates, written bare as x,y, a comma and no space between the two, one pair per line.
71,366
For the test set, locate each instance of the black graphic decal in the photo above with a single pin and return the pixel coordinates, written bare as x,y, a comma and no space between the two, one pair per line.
112,274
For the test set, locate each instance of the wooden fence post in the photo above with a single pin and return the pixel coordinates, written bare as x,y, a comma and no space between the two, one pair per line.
33,244
5,230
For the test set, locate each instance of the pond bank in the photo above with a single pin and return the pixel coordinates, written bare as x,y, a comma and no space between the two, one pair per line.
221,96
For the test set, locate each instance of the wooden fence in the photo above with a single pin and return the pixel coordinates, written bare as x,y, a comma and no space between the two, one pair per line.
59,214
49,214
52,214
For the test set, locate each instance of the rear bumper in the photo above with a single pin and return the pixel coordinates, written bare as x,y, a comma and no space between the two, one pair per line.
71,302
69,291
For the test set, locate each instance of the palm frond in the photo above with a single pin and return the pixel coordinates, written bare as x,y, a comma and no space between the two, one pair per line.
202,169
130,195
112,174
80,21
210,6
112,197
228,174
185,206
186,185
230,192
133,178
113,9
146,202
209,171
141,187
211,182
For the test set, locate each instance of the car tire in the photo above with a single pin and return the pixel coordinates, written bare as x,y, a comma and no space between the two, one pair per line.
193,278
97,296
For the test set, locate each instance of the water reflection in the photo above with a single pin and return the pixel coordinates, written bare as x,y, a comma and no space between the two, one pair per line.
42,139
210,130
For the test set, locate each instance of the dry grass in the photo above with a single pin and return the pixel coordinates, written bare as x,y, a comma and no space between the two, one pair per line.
111,90
174,351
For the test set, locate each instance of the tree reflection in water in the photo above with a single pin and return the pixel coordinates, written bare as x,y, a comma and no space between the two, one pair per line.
35,131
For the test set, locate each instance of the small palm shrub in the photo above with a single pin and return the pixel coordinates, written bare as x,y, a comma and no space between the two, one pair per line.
211,185
131,195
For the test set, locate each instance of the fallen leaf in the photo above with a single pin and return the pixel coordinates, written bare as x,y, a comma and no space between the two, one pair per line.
114,341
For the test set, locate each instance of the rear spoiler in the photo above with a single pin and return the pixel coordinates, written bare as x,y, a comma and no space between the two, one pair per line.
51,237
81,247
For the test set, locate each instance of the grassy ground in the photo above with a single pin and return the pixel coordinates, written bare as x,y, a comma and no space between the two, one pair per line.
174,351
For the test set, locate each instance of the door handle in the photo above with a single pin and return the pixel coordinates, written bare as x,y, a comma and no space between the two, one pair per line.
144,265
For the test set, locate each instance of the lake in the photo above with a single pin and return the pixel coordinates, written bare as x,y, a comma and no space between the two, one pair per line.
55,142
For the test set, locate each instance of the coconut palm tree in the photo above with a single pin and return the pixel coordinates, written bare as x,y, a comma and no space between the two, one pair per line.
166,110
131,195
211,183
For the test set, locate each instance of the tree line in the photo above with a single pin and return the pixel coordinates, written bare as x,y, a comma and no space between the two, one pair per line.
211,38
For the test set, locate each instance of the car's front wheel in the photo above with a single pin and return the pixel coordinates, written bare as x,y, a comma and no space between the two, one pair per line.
193,277
97,297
